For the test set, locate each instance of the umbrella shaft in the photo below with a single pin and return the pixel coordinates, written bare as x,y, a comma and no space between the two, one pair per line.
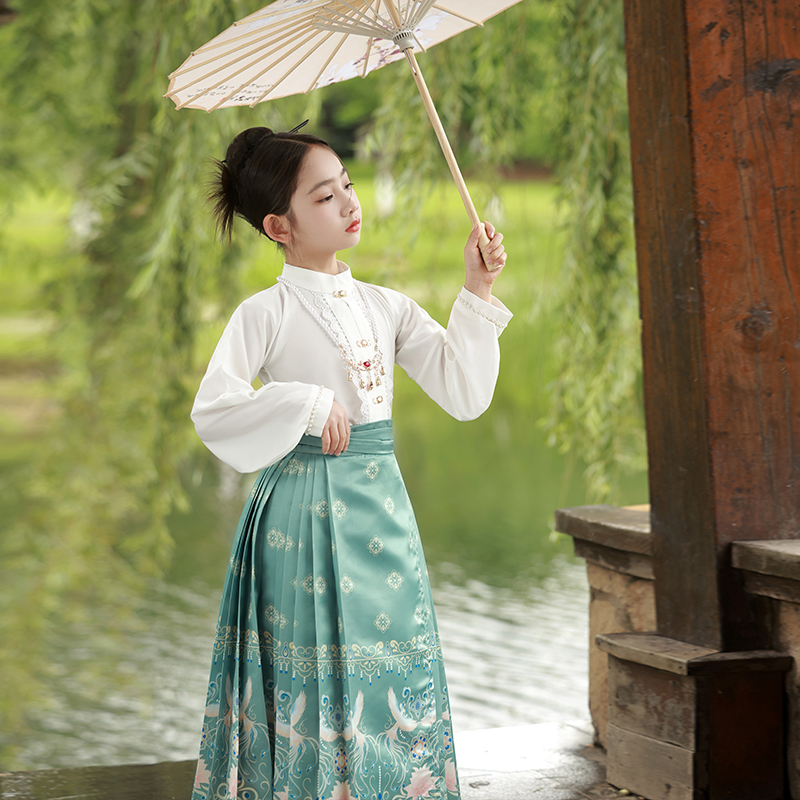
441,135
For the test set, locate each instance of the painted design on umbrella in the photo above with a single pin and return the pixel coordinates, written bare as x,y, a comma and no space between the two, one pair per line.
294,46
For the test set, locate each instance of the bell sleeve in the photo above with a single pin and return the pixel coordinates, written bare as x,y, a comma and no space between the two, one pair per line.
458,366
249,428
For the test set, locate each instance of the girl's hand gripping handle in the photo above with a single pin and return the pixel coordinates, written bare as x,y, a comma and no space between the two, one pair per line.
483,265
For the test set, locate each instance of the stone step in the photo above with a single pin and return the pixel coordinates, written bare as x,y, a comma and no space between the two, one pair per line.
548,761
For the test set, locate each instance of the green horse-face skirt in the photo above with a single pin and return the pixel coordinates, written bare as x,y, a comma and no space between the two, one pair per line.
327,679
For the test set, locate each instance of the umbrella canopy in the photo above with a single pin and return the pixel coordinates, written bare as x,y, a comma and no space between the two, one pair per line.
294,46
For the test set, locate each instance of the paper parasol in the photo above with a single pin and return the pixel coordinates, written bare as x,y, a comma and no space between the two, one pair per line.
294,46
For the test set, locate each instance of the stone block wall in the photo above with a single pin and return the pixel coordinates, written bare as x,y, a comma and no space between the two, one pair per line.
615,542
616,545
618,603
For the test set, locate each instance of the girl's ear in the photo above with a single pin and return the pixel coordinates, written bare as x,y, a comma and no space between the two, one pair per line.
277,228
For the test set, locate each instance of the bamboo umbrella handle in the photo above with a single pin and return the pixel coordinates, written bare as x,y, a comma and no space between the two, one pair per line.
446,149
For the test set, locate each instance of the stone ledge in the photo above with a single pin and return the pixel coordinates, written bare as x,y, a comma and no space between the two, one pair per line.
779,558
615,538
682,658
770,569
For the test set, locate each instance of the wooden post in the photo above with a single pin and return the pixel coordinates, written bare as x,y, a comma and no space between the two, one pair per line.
714,93
714,90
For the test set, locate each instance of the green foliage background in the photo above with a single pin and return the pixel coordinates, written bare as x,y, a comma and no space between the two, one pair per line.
140,272
597,408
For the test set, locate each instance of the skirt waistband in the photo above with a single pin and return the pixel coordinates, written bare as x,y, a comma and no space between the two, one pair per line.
374,437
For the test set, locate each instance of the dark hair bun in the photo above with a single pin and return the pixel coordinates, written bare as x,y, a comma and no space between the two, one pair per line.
243,146
258,176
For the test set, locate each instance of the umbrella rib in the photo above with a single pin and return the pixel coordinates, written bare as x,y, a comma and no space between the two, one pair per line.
297,21
286,74
269,10
361,14
423,7
408,14
403,19
240,71
346,24
283,77
325,65
376,11
361,30
235,61
366,56
266,42
456,14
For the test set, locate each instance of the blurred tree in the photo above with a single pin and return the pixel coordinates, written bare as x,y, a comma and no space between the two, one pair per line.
87,78
597,410
142,268
492,90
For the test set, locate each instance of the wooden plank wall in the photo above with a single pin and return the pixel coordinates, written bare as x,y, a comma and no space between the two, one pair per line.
745,98
714,87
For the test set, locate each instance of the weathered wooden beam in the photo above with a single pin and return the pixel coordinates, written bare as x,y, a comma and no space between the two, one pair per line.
614,538
714,88
686,722
769,569
744,70
672,350
625,529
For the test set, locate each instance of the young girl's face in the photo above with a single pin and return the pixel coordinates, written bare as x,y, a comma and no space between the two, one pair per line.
325,213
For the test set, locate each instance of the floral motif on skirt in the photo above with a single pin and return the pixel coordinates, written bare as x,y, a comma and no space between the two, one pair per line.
327,682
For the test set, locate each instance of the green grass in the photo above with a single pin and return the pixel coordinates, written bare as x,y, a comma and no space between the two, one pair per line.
32,249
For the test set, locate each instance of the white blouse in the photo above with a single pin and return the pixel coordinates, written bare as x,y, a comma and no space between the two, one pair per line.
315,337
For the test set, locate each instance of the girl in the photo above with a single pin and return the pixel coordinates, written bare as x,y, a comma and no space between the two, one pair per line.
327,679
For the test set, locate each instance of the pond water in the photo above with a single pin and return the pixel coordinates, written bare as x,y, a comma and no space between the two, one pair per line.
511,601
510,659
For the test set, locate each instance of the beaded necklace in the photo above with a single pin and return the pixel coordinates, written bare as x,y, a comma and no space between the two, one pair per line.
364,373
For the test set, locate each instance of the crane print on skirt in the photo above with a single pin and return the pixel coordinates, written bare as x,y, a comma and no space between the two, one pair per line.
327,679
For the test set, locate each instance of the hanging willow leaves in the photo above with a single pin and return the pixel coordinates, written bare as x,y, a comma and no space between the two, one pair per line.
597,409
498,91
489,88
88,78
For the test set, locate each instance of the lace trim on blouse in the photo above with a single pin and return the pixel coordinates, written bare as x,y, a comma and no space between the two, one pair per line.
315,409
334,328
480,313
388,380
327,319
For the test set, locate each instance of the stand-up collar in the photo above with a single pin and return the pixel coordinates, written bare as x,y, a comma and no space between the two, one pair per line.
318,281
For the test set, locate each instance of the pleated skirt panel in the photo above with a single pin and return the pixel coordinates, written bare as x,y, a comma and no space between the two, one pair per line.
327,679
